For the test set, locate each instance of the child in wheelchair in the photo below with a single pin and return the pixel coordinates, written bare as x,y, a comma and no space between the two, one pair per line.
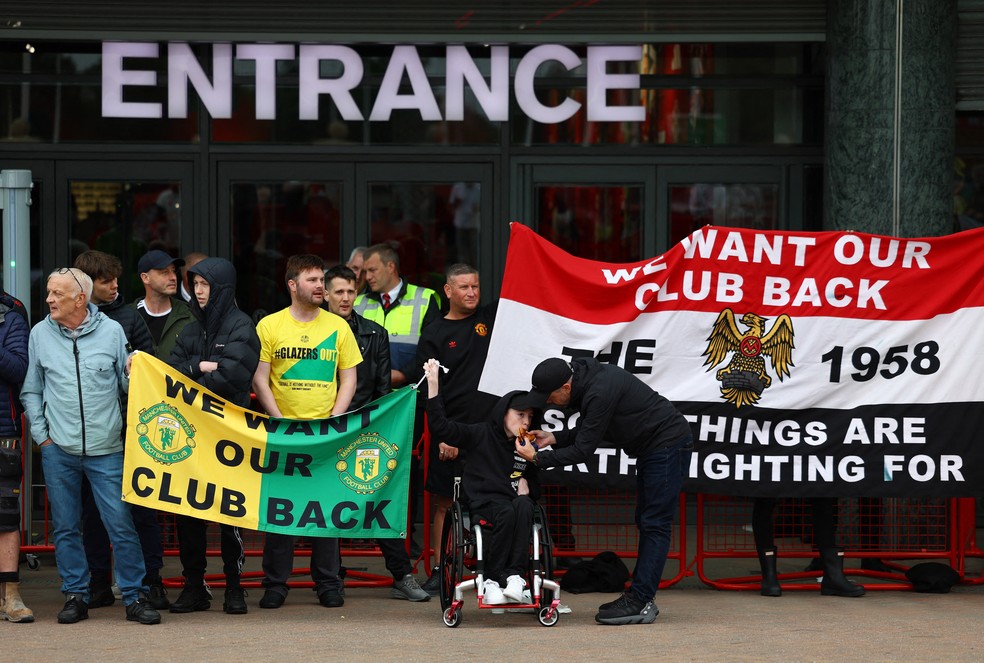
501,486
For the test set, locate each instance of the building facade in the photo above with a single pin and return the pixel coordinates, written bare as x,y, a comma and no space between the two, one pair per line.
254,131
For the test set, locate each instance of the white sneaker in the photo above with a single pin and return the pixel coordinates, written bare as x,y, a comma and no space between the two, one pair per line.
492,593
514,589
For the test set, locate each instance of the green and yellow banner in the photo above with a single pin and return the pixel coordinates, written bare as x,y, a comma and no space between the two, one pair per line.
192,453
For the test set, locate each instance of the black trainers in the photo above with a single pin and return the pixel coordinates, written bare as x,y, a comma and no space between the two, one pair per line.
158,595
101,595
75,610
433,584
141,611
611,604
194,596
627,609
235,601
331,598
272,600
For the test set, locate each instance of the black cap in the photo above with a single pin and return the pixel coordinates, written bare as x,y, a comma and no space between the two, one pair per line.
525,400
157,259
549,376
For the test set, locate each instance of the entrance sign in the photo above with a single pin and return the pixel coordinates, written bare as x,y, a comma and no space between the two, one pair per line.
405,84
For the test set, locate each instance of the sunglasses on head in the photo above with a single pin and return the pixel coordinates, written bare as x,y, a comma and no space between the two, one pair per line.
68,270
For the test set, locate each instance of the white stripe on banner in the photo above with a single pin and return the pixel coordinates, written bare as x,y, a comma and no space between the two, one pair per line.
837,363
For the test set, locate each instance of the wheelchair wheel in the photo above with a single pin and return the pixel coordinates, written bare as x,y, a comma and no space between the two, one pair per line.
452,620
546,556
452,551
546,617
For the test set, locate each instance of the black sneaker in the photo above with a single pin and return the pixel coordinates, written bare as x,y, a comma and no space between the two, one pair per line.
272,599
627,609
611,604
101,595
235,601
332,598
193,597
433,584
158,595
141,611
75,610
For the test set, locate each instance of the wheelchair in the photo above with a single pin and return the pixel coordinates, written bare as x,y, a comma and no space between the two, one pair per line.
461,552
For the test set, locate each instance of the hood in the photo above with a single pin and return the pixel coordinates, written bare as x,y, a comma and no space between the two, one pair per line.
221,277
498,412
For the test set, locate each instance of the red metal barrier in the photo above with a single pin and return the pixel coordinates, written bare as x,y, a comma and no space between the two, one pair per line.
253,547
900,529
967,538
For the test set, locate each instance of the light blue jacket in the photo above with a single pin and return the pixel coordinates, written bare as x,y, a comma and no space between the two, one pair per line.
74,397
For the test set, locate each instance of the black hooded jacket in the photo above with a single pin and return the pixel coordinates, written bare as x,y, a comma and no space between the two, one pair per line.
134,328
220,333
616,407
494,468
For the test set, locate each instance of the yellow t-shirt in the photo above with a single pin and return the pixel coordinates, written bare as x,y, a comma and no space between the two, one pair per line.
304,359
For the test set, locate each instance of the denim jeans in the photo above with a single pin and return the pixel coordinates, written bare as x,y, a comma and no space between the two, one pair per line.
63,474
659,477
96,540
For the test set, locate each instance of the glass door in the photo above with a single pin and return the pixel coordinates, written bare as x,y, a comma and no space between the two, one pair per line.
124,209
732,196
626,212
270,211
596,211
434,215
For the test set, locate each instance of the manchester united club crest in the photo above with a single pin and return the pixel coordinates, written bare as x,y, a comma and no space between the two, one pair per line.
746,377
481,329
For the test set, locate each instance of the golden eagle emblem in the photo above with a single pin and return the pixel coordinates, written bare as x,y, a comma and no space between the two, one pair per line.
745,377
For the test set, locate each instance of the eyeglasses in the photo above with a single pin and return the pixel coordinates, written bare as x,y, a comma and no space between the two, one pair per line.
68,270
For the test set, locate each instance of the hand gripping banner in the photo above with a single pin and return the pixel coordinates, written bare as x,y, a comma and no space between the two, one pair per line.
809,364
190,452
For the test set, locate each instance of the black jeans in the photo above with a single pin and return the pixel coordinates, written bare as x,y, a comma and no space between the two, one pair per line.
193,546
507,551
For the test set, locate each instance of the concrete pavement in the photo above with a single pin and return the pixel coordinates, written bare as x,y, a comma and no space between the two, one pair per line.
695,624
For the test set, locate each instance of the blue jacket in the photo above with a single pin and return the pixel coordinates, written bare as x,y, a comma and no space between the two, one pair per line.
13,365
74,399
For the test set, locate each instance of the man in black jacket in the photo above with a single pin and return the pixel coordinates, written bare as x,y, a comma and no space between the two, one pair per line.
104,270
372,382
219,349
621,409
459,341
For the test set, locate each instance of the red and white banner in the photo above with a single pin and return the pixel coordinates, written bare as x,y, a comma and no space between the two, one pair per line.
808,363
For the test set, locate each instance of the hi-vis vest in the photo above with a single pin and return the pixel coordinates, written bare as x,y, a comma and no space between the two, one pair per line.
403,321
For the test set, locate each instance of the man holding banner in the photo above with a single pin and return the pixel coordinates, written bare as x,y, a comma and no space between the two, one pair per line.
307,370
619,407
373,382
219,350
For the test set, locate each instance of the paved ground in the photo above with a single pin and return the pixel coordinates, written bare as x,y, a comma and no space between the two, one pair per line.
696,624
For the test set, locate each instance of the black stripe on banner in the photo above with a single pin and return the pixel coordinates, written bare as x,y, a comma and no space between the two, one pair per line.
926,450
